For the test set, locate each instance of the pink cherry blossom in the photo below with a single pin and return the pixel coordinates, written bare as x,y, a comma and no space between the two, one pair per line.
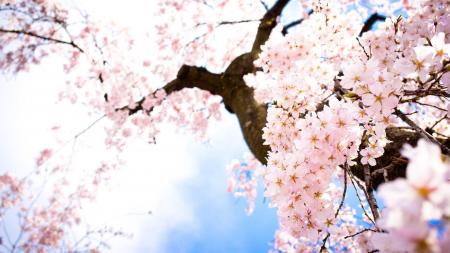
332,94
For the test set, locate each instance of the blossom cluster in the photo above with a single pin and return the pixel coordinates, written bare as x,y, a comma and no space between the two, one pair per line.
331,89
349,235
198,32
11,191
306,147
298,177
242,181
320,122
36,17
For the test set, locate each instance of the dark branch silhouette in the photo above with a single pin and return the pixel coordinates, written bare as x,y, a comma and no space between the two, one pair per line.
370,22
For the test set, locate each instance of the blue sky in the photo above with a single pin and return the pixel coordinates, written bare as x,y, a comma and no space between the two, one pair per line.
183,182
220,222
223,224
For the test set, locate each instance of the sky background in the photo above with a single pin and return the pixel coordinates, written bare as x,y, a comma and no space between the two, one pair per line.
181,181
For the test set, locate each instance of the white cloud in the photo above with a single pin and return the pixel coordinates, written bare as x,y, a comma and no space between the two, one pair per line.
148,182
151,179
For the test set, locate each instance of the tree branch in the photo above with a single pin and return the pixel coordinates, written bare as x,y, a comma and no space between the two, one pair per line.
31,34
392,165
268,22
360,232
323,248
344,193
187,77
370,22
264,5
421,131
230,85
353,180
427,92
239,99
233,22
370,197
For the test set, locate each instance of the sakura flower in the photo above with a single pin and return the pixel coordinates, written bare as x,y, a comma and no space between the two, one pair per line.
416,64
441,48
242,181
368,156
380,98
354,75
43,156
426,167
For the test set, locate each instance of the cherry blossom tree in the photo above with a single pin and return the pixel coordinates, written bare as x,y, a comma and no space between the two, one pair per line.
342,94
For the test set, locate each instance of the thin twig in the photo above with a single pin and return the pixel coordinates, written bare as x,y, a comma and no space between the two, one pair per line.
437,122
383,170
31,34
343,193
266,7
323,248
89,127
424,93
293,23
360,232
424,104
6,233
422,132
360,201
231,22
364,50
218,25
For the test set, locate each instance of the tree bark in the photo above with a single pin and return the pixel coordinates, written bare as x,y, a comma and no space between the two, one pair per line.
239,99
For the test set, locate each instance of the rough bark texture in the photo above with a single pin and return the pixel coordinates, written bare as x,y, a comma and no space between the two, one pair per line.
237,96
392,165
